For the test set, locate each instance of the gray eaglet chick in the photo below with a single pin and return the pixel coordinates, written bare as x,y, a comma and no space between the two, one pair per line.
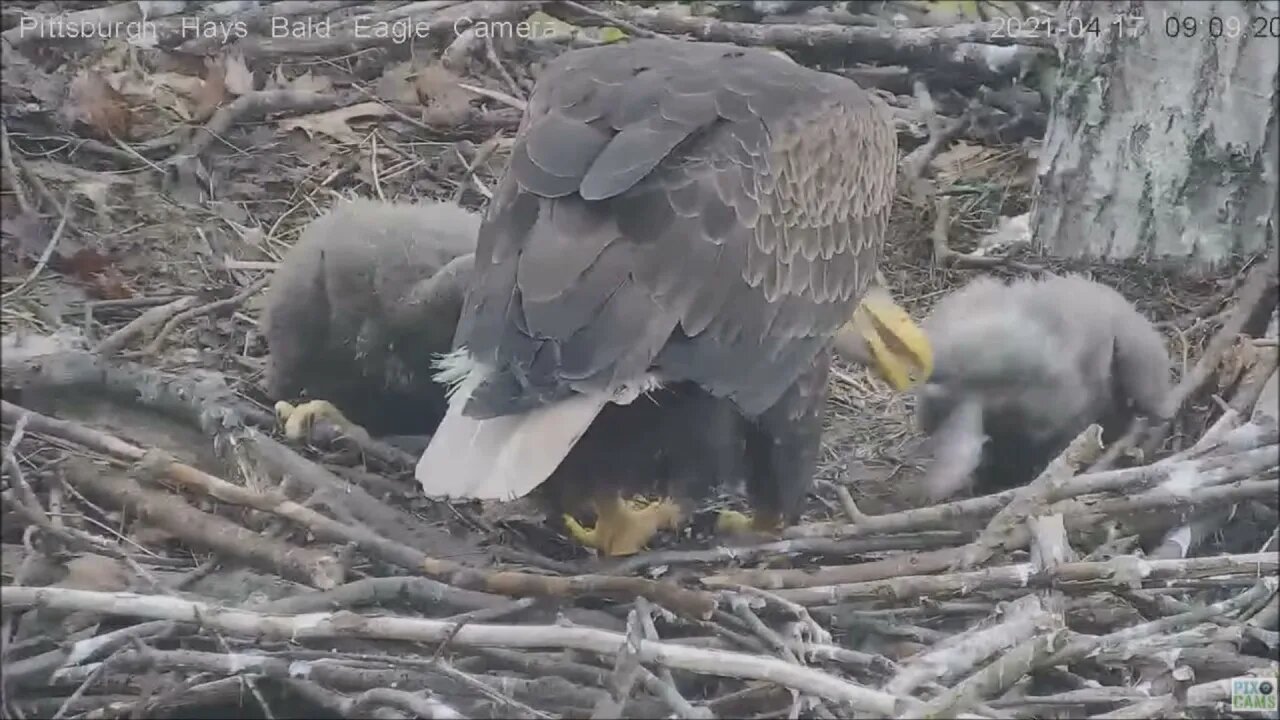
359,309
1021,369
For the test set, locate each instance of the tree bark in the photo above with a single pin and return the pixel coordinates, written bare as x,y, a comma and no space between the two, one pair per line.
1162,142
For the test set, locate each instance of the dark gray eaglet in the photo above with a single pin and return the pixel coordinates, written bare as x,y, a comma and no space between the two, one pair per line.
361,306
697,217
1021,369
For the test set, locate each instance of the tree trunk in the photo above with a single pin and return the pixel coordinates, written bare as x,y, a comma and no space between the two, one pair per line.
1160,146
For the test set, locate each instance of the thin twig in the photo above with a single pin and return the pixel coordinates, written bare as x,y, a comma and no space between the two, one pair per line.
48,251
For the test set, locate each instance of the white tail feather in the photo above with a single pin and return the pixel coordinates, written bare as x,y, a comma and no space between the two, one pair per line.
504,458
499,458
457,372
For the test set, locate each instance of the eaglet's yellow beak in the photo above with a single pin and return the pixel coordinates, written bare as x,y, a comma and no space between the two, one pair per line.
883,336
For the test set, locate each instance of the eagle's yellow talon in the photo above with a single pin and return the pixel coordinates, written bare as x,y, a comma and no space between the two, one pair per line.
624,527
732,522
578,532
297,420
284,410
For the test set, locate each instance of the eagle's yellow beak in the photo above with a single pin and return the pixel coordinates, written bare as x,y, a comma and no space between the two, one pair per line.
889,341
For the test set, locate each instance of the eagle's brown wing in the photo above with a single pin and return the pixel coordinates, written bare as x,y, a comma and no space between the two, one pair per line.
702,211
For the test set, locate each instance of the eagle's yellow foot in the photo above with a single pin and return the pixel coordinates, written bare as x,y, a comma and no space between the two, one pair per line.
624,528
299,419
732,522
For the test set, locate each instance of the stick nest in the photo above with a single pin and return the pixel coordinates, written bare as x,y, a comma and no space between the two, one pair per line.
166,554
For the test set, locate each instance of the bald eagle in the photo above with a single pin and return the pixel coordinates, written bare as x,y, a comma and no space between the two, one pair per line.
681,232
361,306
1021,369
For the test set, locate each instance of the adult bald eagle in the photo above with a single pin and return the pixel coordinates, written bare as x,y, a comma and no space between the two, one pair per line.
1021,369
681,231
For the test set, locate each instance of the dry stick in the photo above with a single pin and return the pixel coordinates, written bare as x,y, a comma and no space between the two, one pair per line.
1162,706
773,641
430,594
1199,500
1217,469
630,28
138,661
1183,540
896,566
1249,460
1258,288
744,554
996,677
283,461
6,158
504,98
350,625
427,707
37,670
818,635
1119,571
208,308
964,651
200,529
626,670
946,257
48,251
1050,546
492,55
250,106
146,321
695,603
662,684
1085,696
998,534
1082,646
937,516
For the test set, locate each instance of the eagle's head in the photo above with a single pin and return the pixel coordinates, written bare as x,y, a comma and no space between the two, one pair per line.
882,336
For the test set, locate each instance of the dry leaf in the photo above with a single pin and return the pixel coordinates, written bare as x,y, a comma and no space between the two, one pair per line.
239,77
92,101
1235,362
84,263
176,92
335,123
438,90
30,234
110,284
435,84
212,92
